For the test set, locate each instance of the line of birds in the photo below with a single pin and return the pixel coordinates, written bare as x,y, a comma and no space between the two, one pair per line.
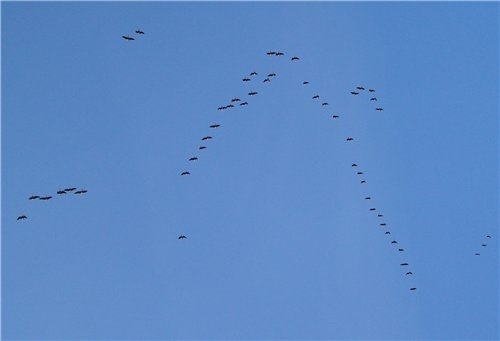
483,244
360,89
48,197
127,37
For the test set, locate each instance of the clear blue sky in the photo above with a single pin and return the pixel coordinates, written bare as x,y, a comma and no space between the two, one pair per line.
281,243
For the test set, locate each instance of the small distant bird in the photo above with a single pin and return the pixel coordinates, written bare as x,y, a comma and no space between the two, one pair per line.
253,73
488,236
368,198
394,242
206,138
280,54
82,191
215,126
252,93
383,224
182,236
194,158
409,273
483,244
371,90
202,147
270,53
401,249
235,100
315,97
359,173
373,99
48,197
360,88
185,173
363,182
335,116
379,215
271,75
388,232
379,109
413,288
244,103
295,58
324,103
246,79
221,108
349,139
354,165
22,217
70,189
266,80
477,254
372,209
128,38
61,192
305,82
139,32
354,93
404,264
33,197
230,106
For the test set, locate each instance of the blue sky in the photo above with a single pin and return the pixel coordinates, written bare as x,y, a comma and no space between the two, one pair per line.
281,243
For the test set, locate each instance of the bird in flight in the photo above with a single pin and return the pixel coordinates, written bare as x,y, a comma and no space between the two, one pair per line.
215,126
252,93
305,82
488,236
295,58
354,165
388,232
483,244
324,103
185,173
373,99
22,217
404,264
335,116
271,75
47,197
61,192
372,209
70,189
359,173
413,288
194,158
477,254
266,80
394,242
206,138
128,38
182,237
379,215
82,191
363,182
230,106
383,224
368,198
280,54
202,147
379,109
349,139
33,197
315,97
235,99
371,90
409,273
354,93
360,88
401,249
244,103
253,73
270,53
139,32
246,79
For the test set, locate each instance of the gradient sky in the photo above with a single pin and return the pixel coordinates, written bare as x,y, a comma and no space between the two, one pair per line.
281,243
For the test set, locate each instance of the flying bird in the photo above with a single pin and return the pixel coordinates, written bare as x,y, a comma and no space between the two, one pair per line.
477,254
354,93
488,236
349,139
266,80
324,103
368,198
483,244
360,88
253,73
246,79
354,165
215,126
82,191
271,75
22,217
139,32
379,215
373,99
61,192
401,249
409,273
128,38
270,53
404,264
194,158
295,58
372,209
244,103
48,197
252,93
371,90
280,54
202,147
235,100
388,232
359,173
33,197
413,288
363,182
185,173
315,96
335,116
70,189
206,138
230,106
379,109
221,108
182,237
305,82
394,242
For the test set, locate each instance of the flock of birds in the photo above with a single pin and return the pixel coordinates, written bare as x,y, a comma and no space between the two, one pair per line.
48,197
127,37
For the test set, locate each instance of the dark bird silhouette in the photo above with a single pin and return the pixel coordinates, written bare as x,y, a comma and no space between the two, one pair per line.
215,126
404,264
359,173
206,138
221,108
371,90
413,288
22,217
349,139
388,232
280,54
270,53
295,58
363,182
379,109
394,242
70,189
401,250
354,165
253,73
488,236
61,192
246,79
372,209
244,103
252,93
194,158
335,116
266,80
483,244
373,99
235,100
47,197
409,273
383,224
139,32
315,97
324,103
33,197
477,254
82,191
354,93
379,215
202,147
128,38
185,173
271,75
305,82
229,106
368,198
182,236
360,88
